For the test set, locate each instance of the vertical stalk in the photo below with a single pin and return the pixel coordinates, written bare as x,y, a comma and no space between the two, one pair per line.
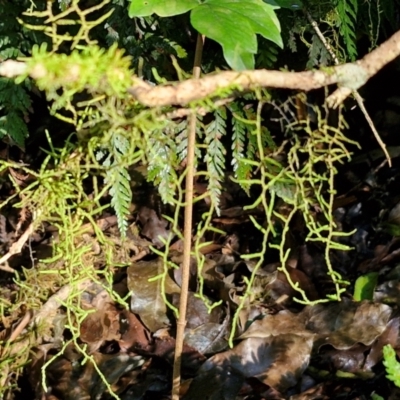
187,232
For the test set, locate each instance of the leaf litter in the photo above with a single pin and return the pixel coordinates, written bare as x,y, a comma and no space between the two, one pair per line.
282,349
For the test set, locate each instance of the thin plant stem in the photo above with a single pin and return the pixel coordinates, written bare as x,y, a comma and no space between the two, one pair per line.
187,233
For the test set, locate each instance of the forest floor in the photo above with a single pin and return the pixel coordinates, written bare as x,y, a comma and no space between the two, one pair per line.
281,349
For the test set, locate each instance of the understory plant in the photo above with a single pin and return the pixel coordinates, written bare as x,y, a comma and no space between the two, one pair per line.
86,67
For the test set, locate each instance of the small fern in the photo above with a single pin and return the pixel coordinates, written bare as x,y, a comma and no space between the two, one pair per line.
118,178
267,54
317,54
15,100
13,125
391,364
347,13
14,107
180,133
215,155
162,164
240,130
121,195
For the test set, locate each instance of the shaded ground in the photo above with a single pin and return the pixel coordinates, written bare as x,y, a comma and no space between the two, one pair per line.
281,349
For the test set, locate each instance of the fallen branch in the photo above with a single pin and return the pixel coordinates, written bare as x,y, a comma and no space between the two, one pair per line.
16,249
349,77
44,316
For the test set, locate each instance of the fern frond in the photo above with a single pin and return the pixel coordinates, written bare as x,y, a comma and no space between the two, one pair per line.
267,55
120,143
13,125
391,364
12,95
179,50
118,178
180,133
162,164
240,129
121,195
347,11
317,53
165,46
215,155
267,140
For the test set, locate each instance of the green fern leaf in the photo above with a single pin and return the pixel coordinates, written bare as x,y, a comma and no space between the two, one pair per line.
162,162
347,11
391,364
179,50
240,129
13,125
120,143
317,54
180,133
215,156
118,178
267,54
121,195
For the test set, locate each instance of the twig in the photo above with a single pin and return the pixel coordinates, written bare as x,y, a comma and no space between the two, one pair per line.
321,36
20,327
343,92
187,233
16,248
56,300
47,312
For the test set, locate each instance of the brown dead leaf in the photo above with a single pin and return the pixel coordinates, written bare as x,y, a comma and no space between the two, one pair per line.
99,327
344,324
284,322
146,298
154,227
133,332
276,361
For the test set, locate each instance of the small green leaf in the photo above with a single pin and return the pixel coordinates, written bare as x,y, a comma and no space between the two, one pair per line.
365,286
234,24
163,8
391,364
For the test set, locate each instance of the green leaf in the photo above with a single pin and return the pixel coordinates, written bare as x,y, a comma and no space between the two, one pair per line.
13,125
215,157
391,364
292,4
365,286
163,8
121,195
234,24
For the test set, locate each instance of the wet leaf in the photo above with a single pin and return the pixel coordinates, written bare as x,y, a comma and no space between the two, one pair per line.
275,361
344,324
146,296
365,286
154,227
285,322
99,327
208,338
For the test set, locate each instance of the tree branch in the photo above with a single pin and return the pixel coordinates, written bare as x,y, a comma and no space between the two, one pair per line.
349,77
